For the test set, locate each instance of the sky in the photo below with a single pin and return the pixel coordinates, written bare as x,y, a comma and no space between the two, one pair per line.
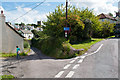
14,9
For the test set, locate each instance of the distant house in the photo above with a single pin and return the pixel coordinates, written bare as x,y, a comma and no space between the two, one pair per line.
27,34
9,37
106,17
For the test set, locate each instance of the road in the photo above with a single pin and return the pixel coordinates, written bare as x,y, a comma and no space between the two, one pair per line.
101,61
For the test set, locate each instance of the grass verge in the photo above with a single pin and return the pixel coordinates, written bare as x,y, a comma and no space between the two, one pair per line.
83,45
86,44
11,54
6,77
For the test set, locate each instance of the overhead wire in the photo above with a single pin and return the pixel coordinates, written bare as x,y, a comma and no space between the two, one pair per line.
28,11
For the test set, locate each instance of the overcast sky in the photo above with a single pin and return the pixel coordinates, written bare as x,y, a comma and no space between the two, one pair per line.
15,8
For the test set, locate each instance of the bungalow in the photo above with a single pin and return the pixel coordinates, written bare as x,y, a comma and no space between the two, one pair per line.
9,37
106,17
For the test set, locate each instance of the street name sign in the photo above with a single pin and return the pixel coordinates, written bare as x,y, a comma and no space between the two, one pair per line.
66,28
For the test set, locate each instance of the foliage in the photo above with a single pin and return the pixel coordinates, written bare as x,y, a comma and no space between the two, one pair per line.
22,24
26,44
50,46
7,77
81,22
110,14
12,54
106,30
83,25
86,44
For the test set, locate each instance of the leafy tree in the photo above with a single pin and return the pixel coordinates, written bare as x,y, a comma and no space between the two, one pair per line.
22,24
105,30
110,14
82,23
16,24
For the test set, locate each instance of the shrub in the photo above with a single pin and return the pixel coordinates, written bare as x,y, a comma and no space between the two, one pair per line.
7,77
26,44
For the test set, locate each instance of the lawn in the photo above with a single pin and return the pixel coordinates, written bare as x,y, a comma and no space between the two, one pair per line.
86,44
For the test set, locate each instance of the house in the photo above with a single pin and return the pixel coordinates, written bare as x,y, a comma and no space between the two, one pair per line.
9,37
106,17
27,34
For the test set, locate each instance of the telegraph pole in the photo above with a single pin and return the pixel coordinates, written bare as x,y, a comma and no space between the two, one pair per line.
66,32
66,8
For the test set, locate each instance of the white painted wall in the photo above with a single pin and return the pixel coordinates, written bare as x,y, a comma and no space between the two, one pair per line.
10,39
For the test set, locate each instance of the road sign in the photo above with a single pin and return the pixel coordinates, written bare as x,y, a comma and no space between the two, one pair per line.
66,28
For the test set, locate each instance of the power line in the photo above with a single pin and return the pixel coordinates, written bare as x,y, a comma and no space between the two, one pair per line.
28,11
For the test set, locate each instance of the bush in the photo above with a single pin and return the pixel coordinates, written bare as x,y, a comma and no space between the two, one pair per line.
7,77
26,44
51,46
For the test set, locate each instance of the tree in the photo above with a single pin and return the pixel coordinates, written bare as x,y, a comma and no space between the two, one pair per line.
22,24
105,30
82,23
110,14
16,24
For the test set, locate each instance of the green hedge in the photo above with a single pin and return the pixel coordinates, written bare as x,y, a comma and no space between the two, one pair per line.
51,46
26,44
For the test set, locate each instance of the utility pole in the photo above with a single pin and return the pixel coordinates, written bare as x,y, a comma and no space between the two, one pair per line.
66,32
66,8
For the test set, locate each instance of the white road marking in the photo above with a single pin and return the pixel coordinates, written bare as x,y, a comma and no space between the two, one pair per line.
76,66
72,61
82,57
80,61
76,57
67,66
96,50
59,74
70,74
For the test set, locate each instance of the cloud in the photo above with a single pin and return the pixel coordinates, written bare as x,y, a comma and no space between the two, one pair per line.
1,8
46,4
32,17
98,6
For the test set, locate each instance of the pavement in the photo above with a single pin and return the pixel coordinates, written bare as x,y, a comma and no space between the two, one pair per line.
100,61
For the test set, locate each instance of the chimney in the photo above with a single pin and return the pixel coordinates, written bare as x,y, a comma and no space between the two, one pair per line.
2,19
1,11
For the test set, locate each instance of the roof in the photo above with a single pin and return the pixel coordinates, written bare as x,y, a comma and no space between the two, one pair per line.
104,16
26,32
14,30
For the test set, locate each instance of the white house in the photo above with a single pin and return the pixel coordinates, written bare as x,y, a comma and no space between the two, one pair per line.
9,37
27,34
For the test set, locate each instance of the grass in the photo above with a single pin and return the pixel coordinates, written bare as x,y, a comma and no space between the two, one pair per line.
11,54
82,45
6,77
86,44
111,36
